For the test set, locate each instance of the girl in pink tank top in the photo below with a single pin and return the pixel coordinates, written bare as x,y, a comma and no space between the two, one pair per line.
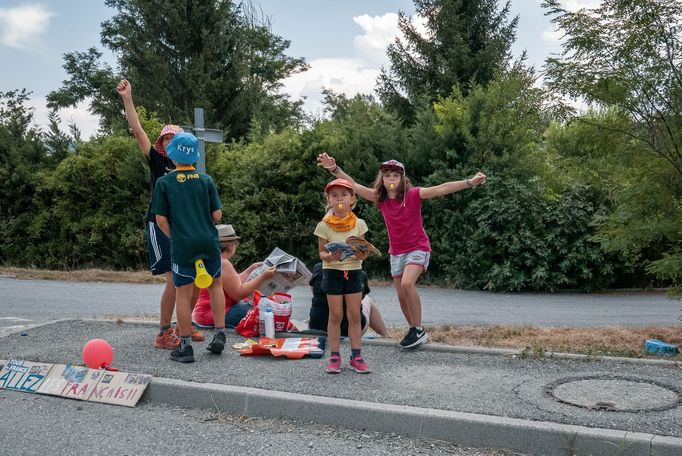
400,205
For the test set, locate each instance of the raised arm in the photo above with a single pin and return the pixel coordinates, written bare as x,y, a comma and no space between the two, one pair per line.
451,187
235,288
329,163
124,89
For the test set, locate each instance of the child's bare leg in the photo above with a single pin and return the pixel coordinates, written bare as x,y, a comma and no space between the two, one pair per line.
409,288
402,299
334,322
217,303
195,298
353,306
376,322
167,301
183,309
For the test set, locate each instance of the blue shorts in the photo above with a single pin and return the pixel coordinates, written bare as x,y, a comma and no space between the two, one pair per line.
184,275
235,313
158,249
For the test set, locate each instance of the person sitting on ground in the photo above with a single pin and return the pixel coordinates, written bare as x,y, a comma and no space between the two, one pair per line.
370,317
235,286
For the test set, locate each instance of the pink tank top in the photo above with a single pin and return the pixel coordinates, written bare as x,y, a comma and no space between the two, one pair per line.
404,224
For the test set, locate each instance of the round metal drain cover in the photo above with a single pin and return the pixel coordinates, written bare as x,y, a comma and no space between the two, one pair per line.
615,394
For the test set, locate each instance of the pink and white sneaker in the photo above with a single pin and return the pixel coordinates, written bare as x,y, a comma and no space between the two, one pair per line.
334,366
359,365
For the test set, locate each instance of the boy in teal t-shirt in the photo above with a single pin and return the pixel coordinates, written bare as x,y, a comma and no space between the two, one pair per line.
187,205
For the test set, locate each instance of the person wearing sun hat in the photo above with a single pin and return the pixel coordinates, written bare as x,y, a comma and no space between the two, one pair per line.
236,287
158,245
186,205
400,204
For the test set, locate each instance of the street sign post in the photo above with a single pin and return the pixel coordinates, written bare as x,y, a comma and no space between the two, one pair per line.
203,135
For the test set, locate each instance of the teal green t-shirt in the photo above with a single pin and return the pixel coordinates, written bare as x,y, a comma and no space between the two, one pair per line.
188,198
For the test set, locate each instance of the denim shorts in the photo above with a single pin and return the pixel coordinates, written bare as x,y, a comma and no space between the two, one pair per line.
398,262
335,282
184,275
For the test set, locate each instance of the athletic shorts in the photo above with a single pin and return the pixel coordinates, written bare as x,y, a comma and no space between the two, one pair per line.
335,282
184,275
158,249
398,262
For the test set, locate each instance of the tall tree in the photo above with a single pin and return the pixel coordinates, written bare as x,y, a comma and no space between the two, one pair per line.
22,157
180,54
627,56
464,42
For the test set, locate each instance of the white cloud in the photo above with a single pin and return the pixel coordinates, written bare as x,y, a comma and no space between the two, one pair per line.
347,76
552,36
22,26
354,74
575,5
379,32
79,115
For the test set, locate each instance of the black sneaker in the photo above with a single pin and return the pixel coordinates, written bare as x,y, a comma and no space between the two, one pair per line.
217,345
414,337
183,355
408,336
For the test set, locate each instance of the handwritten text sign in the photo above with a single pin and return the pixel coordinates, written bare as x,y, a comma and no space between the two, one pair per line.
71,381
23,375
120,388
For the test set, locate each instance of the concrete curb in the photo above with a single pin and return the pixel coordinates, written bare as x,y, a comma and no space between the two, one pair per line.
472,350
463,429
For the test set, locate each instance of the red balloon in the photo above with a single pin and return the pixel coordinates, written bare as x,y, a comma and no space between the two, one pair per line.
97,354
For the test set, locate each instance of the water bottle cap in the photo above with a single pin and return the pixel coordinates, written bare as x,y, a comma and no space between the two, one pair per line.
269,309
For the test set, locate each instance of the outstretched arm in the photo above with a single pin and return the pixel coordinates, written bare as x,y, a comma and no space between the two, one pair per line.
235,288
451,187
329,163
124,89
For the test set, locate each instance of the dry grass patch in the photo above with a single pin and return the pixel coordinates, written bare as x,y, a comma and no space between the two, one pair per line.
604,341
83,275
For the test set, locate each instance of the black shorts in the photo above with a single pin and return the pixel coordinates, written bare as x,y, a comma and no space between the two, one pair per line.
335,282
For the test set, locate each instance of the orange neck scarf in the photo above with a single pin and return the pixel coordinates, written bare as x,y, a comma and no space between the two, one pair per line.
341,225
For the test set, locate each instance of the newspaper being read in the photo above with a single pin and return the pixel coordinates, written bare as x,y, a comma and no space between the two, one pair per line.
291,272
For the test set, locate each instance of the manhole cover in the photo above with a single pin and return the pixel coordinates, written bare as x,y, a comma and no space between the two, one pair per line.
615,394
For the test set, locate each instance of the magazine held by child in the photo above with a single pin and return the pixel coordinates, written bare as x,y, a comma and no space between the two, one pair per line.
353,244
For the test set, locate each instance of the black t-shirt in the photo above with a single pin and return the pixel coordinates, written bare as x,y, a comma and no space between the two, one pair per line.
319,309
159,166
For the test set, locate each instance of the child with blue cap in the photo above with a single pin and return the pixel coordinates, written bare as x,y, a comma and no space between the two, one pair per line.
186,205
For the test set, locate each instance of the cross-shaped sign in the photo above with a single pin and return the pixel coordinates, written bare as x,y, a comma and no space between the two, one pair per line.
203,135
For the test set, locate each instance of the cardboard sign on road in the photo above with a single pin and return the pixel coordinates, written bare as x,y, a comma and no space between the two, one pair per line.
74,382
120,388
23,375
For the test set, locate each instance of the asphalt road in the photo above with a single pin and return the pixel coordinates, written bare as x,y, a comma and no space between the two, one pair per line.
33,301
38,425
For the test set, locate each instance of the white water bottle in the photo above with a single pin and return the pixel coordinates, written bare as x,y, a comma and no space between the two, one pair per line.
269,323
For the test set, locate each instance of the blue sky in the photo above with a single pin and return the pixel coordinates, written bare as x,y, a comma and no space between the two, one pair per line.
342,40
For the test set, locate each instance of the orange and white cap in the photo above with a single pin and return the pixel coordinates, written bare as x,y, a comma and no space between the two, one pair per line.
339,183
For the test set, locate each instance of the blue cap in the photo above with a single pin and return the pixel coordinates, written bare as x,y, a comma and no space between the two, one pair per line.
183,148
